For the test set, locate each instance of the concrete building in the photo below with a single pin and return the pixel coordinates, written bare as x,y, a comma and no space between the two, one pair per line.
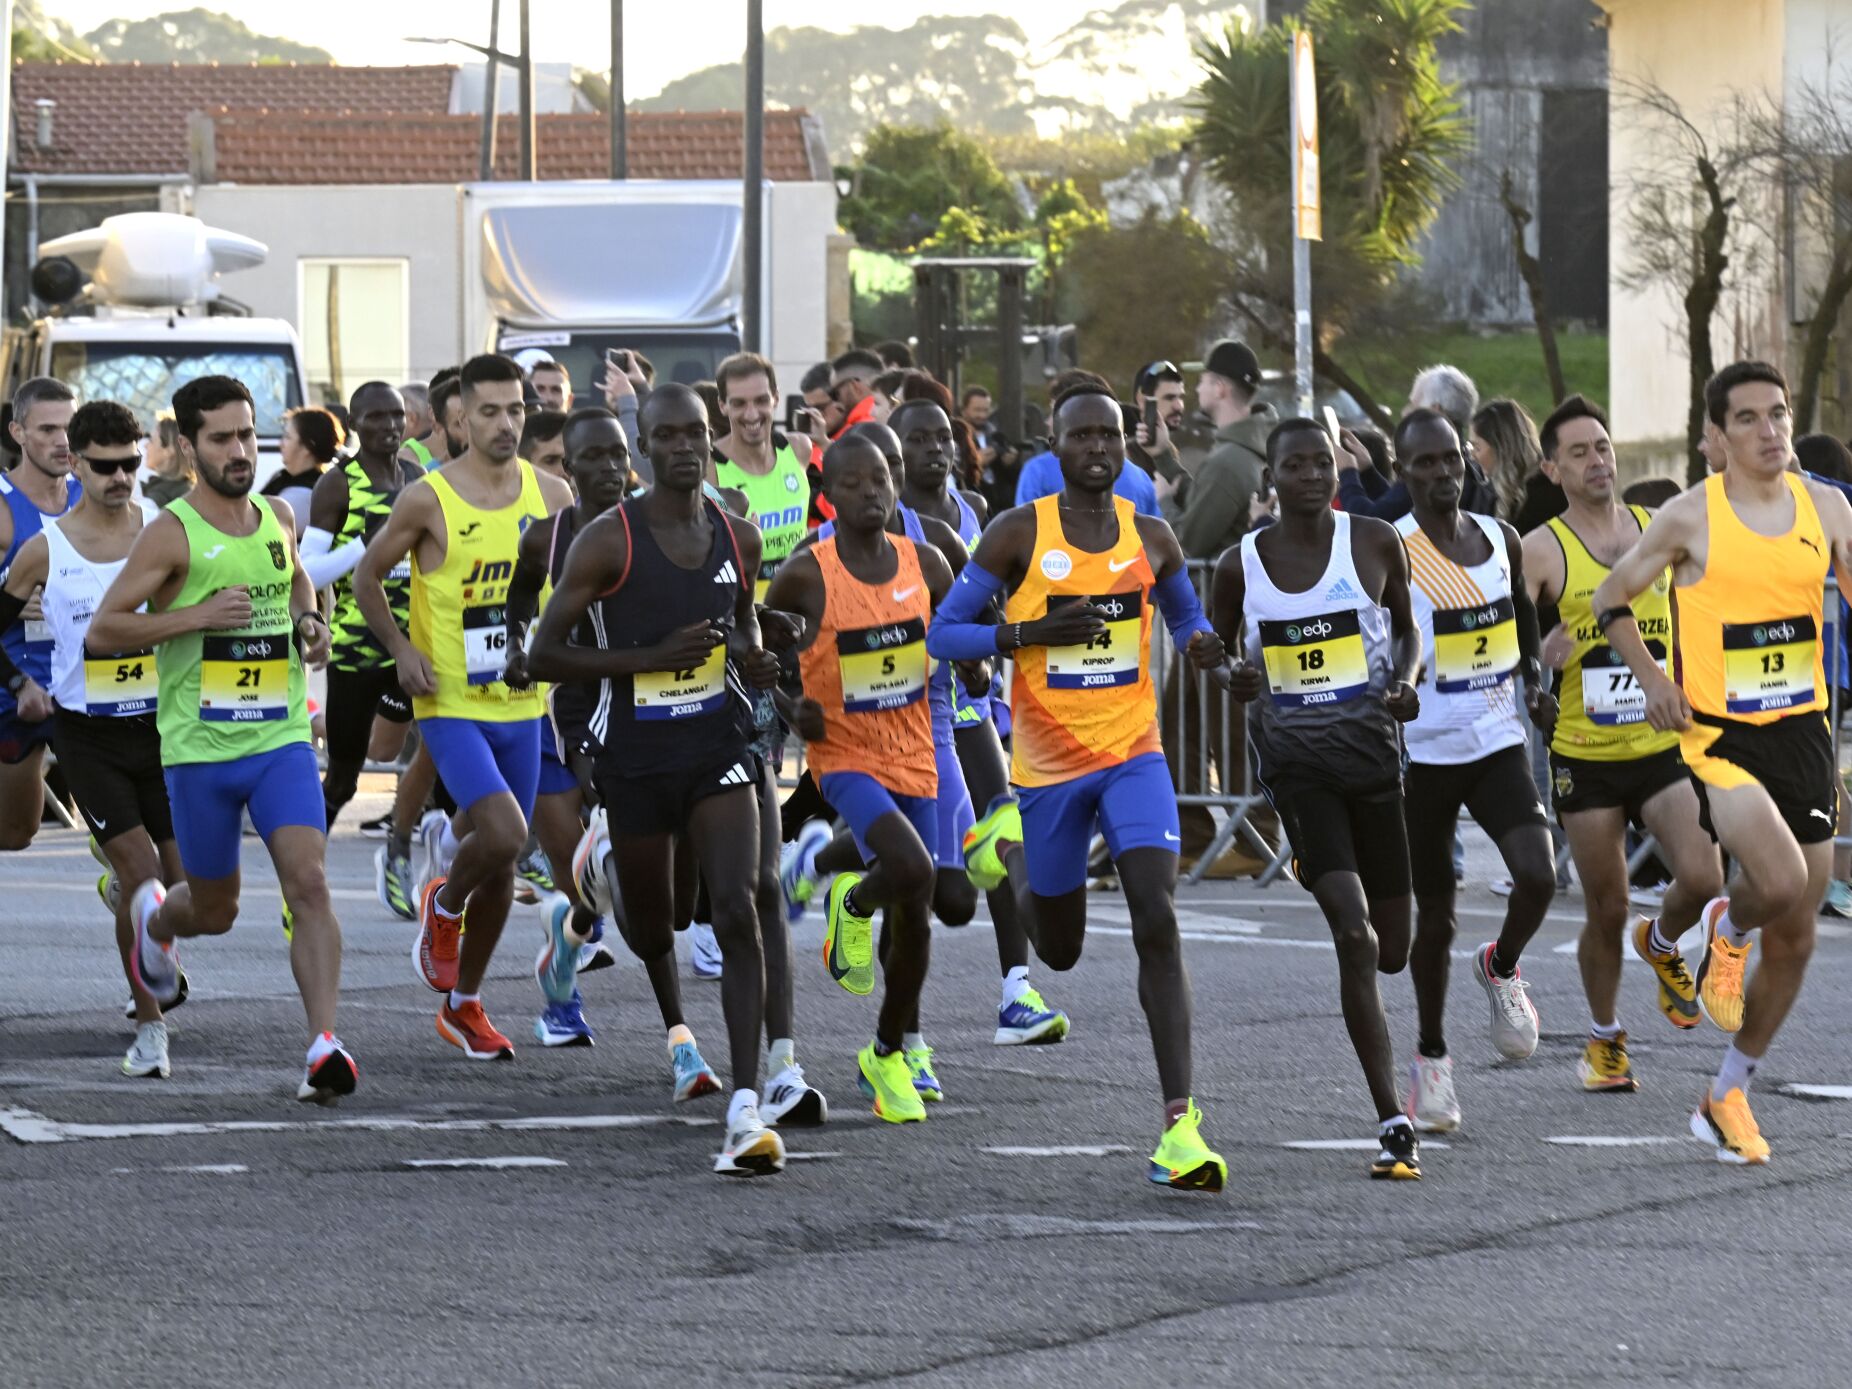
1710,57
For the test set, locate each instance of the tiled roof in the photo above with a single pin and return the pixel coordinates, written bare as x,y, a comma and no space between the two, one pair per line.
319,146
127,118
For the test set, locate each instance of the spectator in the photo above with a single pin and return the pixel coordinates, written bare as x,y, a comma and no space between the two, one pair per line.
627,379
895,355
887,394
1825,458
1209,510
815,388
717,424
1041,475
1162,383
553,384
1451,392
168,475
1651,493
852,386
1505,442
312,440
348,443
543,442
975,410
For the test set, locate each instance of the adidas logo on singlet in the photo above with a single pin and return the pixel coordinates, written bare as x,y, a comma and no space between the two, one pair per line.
1341,591
726,573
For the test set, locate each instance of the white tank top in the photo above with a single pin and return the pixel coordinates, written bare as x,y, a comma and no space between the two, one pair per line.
1469,649
108,686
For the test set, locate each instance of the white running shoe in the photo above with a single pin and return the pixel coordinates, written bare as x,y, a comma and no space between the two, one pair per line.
427,851
588,874
1514,1017
751,1149
148,1057
703,951
156,966
790,1100
1431,1101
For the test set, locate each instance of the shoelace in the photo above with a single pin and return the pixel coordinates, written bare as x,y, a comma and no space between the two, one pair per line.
1613,1055
1510,993
1680,976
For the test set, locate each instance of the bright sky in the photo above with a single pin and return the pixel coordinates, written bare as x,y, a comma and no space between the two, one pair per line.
664,39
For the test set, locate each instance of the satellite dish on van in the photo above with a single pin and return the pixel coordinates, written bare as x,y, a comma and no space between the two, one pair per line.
156,259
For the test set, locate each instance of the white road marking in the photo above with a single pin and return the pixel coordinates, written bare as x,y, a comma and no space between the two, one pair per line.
215,1169
1226,938
1070,1150
808,1157
1357,1145
28,1126
1012,1225
1609,1141
493,1163
1819,1092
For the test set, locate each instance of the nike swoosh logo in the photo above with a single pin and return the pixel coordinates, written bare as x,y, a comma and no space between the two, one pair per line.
213,553
1122,564
901,595
1171,837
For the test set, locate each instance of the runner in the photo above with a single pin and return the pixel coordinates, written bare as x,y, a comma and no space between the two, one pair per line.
103,725
928,447
347,509
665,585
420,423
1467,747
866,600
1077,567
1331,644
1609,766
1748,551
543,442
230,615
40,485
462,527
597,459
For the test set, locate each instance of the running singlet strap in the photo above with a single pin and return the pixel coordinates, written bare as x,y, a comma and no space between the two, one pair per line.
29,643
236,693
1602,714
778,503
664,721
1078,709
354,645
106,685
419,452
867,667
1749,628
459,610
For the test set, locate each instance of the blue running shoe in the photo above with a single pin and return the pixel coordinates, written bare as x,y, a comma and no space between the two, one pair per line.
925,1083
693,1077
704,959
1029,1022
557,966
797,868
564,1025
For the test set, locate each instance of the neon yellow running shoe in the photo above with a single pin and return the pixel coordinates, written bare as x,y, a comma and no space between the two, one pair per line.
919,1066
888,1081
289,924
984,841
849,940
1183,1160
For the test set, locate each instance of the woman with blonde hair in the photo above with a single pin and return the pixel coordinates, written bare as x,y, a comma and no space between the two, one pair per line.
1505,443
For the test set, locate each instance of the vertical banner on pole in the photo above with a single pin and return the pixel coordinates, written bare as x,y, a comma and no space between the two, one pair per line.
1308,223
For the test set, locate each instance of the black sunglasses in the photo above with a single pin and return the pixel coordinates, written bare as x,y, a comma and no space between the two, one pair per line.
106,467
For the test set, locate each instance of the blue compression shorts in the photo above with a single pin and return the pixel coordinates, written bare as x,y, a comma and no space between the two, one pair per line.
1134,805
480,759
861,801
208,800
555,775
954,814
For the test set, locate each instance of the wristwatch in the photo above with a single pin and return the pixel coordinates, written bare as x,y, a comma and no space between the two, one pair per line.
16,683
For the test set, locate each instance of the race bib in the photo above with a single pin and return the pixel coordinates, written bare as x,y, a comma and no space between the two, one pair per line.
682,694
1768,665
118,686
244,679
882,667
400,573
1110,659
1474,648
1319,660
485,643
39,631
1611,697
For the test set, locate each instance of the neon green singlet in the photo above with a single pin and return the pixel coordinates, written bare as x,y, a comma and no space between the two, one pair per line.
778,503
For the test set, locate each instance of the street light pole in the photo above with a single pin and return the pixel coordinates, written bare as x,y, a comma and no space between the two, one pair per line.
620,140
753,185
527,97
491,93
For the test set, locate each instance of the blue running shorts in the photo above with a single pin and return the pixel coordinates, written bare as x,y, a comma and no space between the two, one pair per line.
861,801
478,759
1134,805
208,800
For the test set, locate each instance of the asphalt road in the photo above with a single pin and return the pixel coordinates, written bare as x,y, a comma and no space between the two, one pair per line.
210,1231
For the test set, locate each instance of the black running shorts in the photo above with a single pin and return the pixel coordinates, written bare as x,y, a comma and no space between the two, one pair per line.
1343,830
659,803
113,767
1791,759
1577,784
1497,791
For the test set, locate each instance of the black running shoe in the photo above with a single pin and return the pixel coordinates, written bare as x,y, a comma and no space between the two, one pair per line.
1400,1158
377,828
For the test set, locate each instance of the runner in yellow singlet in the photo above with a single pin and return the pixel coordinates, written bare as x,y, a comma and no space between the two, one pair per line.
1609,765
1749,551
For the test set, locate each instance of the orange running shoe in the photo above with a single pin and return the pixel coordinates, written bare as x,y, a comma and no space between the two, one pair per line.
1729,1124
1720,972
469,1027
434,952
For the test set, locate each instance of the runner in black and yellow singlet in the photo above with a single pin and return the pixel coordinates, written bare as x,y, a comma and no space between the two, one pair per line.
1749,551
462,528
1610,766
